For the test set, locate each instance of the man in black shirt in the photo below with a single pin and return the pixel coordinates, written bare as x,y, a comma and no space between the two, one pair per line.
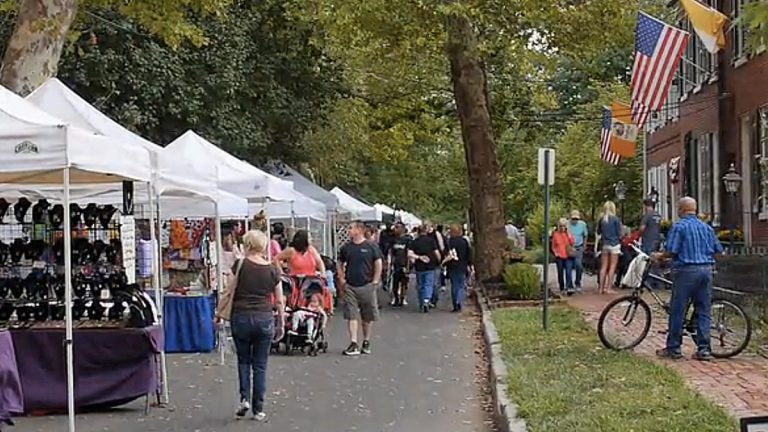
437,234
360,265
424,252
399,257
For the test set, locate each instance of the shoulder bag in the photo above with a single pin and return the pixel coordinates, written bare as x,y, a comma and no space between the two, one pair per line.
224,311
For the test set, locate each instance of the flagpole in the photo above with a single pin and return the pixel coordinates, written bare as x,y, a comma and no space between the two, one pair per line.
645,162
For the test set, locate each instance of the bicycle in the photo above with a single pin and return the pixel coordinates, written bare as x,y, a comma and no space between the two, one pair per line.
635,303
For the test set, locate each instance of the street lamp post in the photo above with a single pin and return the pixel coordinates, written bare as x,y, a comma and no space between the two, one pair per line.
621,195
732,181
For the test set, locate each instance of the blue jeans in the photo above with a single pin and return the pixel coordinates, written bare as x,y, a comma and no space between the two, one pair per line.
426,281
252,333
564,270
458,278
692,284
578,264
439,282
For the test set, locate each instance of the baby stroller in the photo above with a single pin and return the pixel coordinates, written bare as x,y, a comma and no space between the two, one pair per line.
302,290
286,282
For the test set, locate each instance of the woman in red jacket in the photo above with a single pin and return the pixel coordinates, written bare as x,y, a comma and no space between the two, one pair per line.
562,247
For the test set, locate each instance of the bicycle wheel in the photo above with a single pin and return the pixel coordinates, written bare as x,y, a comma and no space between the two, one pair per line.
731,329
632,323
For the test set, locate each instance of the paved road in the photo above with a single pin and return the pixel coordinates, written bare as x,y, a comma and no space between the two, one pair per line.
420,378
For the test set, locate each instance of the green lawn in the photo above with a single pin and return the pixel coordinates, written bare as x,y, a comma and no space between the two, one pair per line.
564,381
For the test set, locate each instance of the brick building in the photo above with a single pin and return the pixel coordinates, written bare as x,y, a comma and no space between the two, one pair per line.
716,115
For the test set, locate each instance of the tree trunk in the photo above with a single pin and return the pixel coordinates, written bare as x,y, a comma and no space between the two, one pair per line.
470,92
38,38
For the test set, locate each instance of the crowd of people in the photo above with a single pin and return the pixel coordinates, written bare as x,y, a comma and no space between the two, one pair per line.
374,262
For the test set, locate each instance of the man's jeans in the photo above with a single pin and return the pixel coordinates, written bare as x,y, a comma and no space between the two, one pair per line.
426,281
438,283
578,265
252,333
458,278
692,284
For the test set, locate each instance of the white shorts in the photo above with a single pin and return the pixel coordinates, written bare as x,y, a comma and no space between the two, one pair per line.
612,250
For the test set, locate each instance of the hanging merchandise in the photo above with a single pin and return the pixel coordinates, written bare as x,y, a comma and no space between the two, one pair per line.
20,209
179,237
105,215
90,215
56,216
4,205
39,211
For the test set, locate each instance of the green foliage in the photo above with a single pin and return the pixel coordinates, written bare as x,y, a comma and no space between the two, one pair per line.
254,88
522,281
534,256
535,225
756,20
562,381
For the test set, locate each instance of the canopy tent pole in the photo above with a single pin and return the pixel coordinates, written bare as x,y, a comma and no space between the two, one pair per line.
325,232
309,229
293,219
68,342
156,281
219,277
269,230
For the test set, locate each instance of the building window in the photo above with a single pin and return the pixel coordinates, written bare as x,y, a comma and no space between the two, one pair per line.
704,181
688,63
761,159
738,33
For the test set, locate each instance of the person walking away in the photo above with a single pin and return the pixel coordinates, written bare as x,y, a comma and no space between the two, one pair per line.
513,234
563,244
400,267
439,239
275,247
359,272
692,246
426,257
580,232
300,257
650,228
459,264
247,303
609,229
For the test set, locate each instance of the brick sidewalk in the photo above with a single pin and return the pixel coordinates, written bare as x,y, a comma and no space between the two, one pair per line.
739,385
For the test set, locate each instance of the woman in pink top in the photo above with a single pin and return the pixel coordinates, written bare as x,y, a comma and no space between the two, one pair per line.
562,244
301,258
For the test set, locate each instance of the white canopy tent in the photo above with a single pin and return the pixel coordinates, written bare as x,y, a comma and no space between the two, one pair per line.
409,219
356,208
40,149
304,185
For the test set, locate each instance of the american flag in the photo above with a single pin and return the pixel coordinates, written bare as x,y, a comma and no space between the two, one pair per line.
658,48
605,139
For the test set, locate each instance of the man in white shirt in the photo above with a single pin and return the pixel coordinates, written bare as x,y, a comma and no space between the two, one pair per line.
512,233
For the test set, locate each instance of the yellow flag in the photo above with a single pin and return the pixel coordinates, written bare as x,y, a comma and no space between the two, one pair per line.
623,131
708,23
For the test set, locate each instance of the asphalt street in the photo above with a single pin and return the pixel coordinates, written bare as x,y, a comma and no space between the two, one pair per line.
421,377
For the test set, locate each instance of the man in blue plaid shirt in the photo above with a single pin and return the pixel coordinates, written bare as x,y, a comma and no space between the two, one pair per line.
692,246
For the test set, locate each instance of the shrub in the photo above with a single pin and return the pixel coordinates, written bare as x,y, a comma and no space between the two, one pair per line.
535,224
522,281
534,256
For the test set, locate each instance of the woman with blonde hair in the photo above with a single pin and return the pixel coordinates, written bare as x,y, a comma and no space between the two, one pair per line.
248,304
610,230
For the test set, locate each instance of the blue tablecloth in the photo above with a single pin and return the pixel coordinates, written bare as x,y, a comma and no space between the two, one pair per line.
189,324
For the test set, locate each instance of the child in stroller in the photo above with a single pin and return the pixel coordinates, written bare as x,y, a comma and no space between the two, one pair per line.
307,298
308,319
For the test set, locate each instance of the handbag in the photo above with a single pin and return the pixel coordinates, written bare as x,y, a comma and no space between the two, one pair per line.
224,311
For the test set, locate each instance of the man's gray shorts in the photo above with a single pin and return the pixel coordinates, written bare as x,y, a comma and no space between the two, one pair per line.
361,303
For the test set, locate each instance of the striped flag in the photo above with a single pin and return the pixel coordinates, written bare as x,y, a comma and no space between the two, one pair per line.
605,139
658,48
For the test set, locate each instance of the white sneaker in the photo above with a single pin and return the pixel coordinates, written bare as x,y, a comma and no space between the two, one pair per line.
405,302
260,417
243,408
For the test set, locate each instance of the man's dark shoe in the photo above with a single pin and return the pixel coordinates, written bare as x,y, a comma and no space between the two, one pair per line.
667,354
704,356
352,350
366,349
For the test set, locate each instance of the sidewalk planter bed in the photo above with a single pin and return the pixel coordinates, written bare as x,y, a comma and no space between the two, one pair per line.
563,380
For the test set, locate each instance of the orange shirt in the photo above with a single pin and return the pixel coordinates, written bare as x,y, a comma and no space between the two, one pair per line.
560,243
302,263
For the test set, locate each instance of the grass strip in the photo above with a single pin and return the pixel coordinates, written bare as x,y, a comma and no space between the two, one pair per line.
565,381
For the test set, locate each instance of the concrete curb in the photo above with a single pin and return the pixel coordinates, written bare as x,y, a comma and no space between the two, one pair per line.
504,409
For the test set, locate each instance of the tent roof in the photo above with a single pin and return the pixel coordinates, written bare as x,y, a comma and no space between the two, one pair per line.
303,185
37,146
356,208
175,178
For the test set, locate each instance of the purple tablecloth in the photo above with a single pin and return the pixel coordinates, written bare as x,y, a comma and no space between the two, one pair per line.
11,398
112,367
